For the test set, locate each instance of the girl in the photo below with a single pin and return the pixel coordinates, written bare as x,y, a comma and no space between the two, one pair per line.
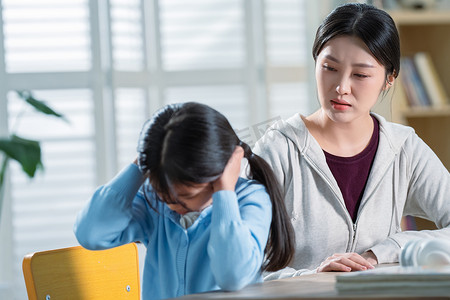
349,175
204,227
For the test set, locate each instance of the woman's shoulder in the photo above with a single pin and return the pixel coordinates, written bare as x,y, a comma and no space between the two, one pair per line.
392,127
291,130
396,134
404,142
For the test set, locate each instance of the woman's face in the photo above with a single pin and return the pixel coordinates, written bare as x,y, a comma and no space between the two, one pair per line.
195,197
349,79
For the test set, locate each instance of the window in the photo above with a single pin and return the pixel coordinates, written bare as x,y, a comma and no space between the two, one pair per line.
108,65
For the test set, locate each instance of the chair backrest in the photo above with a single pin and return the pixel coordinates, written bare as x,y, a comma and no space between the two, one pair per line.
77,273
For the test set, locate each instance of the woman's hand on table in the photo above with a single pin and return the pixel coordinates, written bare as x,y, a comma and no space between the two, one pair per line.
346,262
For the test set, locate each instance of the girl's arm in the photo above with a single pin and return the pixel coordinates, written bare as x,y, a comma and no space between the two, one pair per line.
428,197
239,233
116,214
239,229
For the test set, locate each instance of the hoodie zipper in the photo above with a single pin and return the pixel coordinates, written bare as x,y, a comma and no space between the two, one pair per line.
336,194
354,234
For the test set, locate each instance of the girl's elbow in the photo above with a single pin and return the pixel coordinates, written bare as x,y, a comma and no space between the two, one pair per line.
87,239
231,285
235,281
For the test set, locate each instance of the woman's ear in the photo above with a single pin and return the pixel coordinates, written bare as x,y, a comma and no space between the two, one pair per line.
389,81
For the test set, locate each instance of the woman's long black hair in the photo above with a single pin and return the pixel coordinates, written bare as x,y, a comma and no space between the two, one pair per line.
191,143
373,26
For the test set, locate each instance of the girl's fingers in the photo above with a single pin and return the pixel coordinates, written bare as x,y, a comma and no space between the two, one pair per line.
230,175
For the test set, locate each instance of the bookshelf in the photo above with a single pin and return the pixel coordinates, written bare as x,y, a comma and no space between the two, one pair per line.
425,31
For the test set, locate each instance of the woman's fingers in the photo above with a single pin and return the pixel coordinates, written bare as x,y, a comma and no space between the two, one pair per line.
345,262
357,259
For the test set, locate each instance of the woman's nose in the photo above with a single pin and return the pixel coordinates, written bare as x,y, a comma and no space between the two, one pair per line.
343,87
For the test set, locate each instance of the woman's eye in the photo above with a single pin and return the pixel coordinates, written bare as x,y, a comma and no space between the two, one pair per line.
361,75
327,67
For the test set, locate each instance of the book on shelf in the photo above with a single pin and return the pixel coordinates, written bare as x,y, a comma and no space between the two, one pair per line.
422,84
414,88
430,78
395,277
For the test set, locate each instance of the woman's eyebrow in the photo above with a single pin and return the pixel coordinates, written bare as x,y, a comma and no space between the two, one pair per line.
362,65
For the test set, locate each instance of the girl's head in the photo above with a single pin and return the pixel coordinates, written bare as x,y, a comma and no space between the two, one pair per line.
357,57
183,148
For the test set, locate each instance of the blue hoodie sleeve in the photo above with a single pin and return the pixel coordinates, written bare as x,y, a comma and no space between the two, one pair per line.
116,214
239,233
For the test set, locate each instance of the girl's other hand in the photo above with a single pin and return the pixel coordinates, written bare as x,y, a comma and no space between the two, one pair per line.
227,181
345,262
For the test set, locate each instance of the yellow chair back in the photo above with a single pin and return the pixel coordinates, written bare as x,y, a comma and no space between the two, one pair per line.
77,273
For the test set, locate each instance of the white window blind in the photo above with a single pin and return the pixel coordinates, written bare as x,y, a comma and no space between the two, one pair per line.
130,117
127,35
288,98
287,54
47,35
285,32
42,39
202,34
227,99
130,73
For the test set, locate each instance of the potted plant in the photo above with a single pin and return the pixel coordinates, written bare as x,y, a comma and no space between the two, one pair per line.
25,151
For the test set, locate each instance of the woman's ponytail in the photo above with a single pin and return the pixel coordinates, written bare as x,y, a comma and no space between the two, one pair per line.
280,245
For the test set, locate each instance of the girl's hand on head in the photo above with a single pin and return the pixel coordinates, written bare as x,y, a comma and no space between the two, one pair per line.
345,262
227,181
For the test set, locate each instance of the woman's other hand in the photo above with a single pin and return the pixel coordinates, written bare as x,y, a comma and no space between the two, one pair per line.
346,262
230,175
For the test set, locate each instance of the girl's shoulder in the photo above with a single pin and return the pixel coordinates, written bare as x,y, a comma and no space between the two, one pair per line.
246,187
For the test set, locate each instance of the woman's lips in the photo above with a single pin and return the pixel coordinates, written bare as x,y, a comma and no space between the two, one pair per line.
339,104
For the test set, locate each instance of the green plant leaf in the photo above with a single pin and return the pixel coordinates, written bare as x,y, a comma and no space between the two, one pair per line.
2,176
38,104
26,152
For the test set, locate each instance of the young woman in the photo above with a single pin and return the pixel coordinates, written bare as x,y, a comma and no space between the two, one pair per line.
204,227
349,175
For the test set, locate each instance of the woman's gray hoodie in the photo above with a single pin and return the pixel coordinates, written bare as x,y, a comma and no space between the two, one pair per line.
406,178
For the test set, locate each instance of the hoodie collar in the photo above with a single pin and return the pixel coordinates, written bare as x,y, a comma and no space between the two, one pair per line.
393,135
391,140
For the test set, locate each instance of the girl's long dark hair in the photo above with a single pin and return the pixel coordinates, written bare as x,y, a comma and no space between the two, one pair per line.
280,246
191,143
